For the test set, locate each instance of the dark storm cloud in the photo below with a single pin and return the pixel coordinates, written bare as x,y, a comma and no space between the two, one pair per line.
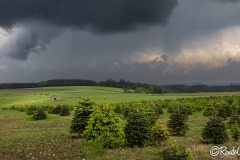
228,0
99,16
31,37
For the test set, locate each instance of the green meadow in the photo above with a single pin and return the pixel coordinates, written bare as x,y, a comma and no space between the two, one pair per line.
70,95
23,138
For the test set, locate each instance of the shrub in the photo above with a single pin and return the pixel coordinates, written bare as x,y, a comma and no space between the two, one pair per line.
160,133
138,130
208,111
177,123
12,108
104,127
57,109
51,109
235,131
30,110
119,108
150,115
39,114
81,115
21,109
158,110
234,119
223,111
215,131
127,110
65,111
176,152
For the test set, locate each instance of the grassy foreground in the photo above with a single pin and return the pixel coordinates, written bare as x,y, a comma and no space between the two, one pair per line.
70,95
23,138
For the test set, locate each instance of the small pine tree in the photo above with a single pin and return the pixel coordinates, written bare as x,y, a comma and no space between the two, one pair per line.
57,109
65,111
51,109
39,114
158,110
104,127
176,152
30,110
208,111
234,119
177,123
81,115
235,131
223,111
215,131
160,133
138,130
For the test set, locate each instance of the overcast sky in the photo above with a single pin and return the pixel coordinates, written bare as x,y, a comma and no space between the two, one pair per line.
156,41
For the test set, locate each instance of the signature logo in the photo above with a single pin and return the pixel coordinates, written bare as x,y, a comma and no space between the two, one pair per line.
215,150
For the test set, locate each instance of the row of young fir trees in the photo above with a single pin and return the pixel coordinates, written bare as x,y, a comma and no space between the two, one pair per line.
100,124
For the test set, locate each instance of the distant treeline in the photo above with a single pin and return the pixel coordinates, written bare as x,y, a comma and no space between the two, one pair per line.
203,88
126,85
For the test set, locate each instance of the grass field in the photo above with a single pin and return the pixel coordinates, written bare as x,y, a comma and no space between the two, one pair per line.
70,95
23,138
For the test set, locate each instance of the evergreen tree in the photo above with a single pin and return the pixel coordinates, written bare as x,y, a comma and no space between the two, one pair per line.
234,119
65,111
39,114
160,133
177,123
138,130
235,131
104,127
81,115
215,131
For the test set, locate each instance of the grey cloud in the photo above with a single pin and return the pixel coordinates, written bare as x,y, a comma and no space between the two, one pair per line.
101,17
228,0
98,16
30,37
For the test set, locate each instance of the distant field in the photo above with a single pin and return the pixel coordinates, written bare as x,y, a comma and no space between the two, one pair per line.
70,95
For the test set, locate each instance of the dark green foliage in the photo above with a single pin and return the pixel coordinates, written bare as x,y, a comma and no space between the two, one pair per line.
138,130
215,131
119,108
104,126
45,107
238,110
127,110
160,133
170,108
177,122
39,114
57,109
30,110
235,131
21,109
65,111
223,111
234,119
176,152
158,110
51,109
150,115
12,108
208,111
81,115
234,107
